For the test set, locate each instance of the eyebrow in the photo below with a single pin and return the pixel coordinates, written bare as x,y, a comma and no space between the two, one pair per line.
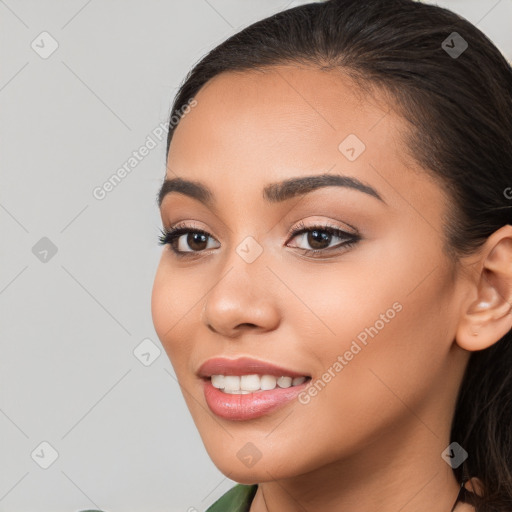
272,193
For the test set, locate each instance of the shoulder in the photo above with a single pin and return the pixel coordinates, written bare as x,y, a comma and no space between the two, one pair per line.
237,499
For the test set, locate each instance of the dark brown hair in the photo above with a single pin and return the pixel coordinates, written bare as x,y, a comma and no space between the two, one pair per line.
460,112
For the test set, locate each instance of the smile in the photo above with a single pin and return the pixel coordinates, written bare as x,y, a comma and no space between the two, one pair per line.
245,384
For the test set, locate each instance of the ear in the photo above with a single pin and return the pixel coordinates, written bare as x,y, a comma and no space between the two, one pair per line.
488,315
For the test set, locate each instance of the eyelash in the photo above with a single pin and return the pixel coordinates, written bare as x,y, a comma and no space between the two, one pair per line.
170,236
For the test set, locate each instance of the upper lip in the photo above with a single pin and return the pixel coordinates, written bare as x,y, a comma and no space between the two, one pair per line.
244,366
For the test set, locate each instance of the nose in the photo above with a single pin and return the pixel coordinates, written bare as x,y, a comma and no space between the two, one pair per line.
241,301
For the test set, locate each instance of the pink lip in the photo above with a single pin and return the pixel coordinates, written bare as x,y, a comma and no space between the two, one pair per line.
244,366
251,405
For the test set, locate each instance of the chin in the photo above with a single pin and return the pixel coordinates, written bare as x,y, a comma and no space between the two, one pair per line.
265,469
249,476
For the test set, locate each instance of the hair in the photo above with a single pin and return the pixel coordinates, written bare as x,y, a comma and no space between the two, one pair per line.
459,113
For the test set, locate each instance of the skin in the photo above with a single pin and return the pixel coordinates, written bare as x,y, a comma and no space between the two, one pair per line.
373,437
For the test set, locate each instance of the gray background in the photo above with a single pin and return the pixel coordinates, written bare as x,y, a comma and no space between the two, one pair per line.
73,373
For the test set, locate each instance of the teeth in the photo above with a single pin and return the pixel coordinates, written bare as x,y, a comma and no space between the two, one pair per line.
268,382
284,382
249,382
232,382
244,384
218,381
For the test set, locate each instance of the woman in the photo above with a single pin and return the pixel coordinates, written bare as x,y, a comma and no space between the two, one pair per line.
335,289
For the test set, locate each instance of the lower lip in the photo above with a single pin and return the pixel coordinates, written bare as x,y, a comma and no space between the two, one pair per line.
249,406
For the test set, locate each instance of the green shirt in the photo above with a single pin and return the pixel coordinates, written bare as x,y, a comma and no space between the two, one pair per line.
237,499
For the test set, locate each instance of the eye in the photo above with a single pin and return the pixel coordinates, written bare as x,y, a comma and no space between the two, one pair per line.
196,239
320,237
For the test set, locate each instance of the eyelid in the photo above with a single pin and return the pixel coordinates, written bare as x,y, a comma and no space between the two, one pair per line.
348,240
321,224
190,225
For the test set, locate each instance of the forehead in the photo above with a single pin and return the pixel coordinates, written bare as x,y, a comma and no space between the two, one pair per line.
254,127
299,108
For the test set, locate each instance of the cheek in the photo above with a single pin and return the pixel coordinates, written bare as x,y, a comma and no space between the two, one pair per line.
161,303
171,301
389,320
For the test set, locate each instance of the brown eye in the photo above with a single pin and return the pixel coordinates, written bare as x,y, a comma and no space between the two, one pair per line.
196,241
318,239
186,241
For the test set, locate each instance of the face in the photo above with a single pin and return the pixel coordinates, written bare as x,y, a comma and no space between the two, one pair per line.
343,282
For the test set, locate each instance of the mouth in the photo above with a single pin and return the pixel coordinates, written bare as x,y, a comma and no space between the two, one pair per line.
245,388
245,367
254,383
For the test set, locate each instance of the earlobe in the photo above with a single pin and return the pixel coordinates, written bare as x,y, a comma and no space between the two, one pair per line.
489,316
